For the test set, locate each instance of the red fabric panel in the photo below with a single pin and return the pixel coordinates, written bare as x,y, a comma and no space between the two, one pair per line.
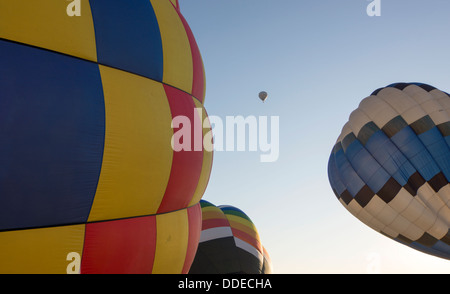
247,238
214,223
198,81
120,246
186,165
195,229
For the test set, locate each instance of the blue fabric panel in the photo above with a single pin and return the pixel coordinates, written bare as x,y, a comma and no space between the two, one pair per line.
334,177
378,180
438,148
410,145
367,168
227,208
390,157
52,125
348,175
440,250
361,161
353,149
127,36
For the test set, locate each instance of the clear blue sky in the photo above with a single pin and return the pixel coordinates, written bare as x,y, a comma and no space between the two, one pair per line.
317,60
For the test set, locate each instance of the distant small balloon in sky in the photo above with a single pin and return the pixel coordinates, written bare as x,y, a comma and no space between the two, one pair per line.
262,95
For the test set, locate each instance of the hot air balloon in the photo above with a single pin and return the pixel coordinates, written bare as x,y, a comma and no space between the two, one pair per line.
390,167
262,95
229,243
267,262
89,181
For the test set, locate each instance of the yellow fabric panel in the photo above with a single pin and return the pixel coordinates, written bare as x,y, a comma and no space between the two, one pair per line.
207,158
35,25
212,208
239,219
171,242
204,83
177,57
40,251
244,227
137,155
242,224
212,214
